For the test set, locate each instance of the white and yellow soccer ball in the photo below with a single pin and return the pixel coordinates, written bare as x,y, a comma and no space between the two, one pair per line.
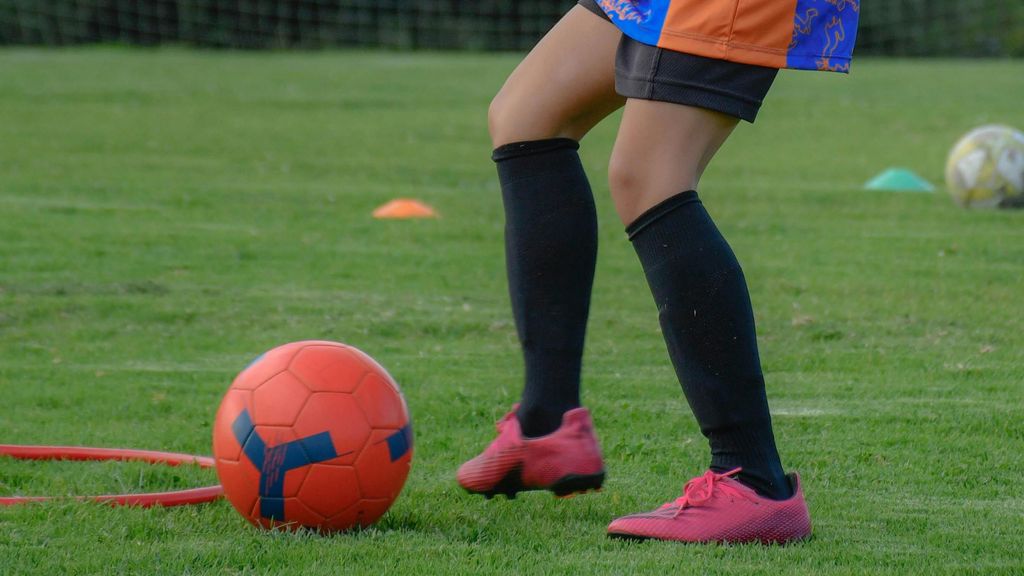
985,169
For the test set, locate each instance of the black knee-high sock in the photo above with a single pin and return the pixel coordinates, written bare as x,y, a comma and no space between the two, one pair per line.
550,251
706,317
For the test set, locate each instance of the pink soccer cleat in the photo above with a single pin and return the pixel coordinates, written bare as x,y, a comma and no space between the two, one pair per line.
567,461
718,508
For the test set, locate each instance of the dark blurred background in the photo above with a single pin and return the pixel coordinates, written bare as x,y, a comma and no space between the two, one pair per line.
941,28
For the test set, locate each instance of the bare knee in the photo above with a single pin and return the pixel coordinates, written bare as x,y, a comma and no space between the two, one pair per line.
495,118
511,120
514,116
623,180
637,184
501,120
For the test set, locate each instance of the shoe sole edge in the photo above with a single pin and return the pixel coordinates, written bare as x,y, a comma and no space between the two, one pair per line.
568,485
626,536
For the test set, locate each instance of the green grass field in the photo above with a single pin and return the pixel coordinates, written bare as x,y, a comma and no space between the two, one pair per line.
165,216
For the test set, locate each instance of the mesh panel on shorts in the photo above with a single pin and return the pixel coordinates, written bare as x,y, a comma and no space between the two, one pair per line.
652,73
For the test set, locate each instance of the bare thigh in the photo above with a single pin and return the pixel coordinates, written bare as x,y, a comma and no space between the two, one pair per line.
564,86
661,150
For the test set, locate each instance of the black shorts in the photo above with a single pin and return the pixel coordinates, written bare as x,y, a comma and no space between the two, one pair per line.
652,73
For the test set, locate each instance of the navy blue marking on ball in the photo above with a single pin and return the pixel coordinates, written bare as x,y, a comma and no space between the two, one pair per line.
400,442
276,461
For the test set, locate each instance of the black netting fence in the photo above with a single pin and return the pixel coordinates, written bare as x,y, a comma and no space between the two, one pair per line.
894,27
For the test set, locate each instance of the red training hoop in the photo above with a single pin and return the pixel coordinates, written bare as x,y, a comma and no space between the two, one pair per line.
175,498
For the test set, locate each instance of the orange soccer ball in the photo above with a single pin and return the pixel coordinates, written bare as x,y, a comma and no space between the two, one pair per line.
313,434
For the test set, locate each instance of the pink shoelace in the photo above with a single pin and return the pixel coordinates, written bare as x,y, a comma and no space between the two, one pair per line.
700,489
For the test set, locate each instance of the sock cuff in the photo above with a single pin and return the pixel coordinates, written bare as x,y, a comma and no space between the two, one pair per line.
533,147
659,210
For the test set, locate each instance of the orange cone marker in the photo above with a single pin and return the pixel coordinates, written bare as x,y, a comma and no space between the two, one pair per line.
404,208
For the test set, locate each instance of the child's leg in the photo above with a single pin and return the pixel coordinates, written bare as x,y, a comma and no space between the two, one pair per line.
556,95
559,92
703,304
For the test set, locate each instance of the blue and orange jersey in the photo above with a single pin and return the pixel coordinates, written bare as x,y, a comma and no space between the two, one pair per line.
802,34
